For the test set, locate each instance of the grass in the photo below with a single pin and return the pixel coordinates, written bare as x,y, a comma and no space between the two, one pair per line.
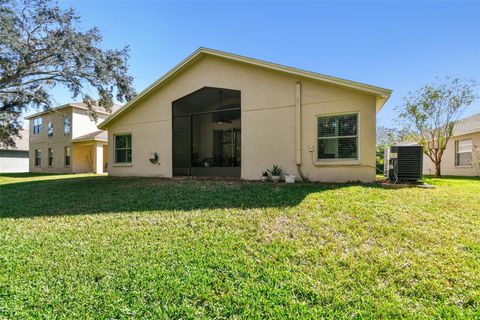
85,246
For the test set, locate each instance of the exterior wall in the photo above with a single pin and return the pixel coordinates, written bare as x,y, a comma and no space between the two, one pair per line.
82,158
57,142
105,158
448,166
80,123
268,122
13,161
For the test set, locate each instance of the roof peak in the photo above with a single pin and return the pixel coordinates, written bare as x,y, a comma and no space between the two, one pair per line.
382,94
79,104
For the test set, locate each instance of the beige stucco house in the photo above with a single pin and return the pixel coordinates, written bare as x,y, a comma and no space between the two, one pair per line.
67,140
221,114
463,149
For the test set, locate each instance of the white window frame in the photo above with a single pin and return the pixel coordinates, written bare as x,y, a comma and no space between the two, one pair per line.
122,164
49,126
69,125
39,153
65,156
37,125
458,152
49,151
351,161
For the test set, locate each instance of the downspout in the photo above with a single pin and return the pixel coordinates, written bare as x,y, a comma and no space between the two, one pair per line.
298,129
298,123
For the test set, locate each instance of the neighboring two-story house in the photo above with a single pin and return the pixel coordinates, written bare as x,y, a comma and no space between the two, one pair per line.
67,140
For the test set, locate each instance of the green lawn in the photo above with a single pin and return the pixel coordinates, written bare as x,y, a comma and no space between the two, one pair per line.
84,246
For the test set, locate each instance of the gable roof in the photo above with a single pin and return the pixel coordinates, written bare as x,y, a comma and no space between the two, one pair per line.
99,135
382,94
79,105
21,143
467,125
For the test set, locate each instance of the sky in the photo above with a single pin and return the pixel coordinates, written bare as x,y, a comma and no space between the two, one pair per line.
396,45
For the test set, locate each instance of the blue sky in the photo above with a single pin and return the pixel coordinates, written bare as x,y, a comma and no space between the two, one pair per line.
397,45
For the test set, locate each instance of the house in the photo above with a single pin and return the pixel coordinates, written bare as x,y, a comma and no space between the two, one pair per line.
221,114
67,140
15,159
462,149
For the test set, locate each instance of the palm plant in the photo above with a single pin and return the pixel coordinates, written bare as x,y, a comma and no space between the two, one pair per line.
275,171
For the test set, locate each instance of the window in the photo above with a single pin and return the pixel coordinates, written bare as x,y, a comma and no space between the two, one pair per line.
38,157
37,125
50,157
463,156
50,129
337,137
66,125
123,148
67,156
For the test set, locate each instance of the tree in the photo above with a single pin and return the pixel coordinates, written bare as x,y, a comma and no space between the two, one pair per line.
387,137
41,47
431,112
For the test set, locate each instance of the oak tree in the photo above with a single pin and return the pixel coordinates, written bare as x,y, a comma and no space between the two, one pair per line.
43,46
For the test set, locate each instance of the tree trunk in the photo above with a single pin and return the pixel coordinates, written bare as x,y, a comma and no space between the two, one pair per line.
438,171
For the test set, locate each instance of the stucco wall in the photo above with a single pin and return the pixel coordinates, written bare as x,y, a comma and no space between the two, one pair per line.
268,121
83,157
80,123
448,166
105,158
57,142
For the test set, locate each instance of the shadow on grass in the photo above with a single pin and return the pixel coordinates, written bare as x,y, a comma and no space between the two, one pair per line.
103,194
27,174
431,177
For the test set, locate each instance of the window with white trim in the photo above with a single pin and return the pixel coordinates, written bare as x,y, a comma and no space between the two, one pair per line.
67,128
337,137
463,152
38,157
50,129
50,157
67,156
37,125
123,148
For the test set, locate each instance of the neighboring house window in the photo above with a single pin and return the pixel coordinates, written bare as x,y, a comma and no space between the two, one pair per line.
37,125
463,152
50,157
67,156
66,125
337,137
50,129
123,148
38,157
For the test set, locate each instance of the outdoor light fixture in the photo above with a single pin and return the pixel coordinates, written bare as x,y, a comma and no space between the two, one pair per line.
153,157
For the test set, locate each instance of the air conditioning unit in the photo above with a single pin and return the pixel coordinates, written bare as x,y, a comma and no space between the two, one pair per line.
403,163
